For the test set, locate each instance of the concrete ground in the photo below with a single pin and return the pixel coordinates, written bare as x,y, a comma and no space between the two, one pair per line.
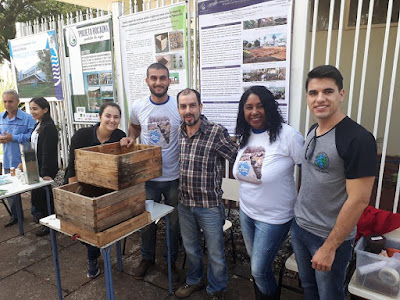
27,270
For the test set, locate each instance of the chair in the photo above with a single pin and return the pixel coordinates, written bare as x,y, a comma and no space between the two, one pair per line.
289,262
230,187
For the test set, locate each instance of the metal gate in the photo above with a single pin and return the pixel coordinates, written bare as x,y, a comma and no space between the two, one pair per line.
361,38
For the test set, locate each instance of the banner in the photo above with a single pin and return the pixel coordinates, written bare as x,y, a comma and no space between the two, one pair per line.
37,68
243,43
89,49
153,36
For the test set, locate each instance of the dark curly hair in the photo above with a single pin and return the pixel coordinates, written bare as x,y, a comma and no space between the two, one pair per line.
273,118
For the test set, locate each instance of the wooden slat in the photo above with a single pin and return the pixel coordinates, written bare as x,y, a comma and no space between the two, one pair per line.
116,167
105,209
103,238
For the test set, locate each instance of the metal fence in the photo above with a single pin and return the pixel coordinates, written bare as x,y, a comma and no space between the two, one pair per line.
358,37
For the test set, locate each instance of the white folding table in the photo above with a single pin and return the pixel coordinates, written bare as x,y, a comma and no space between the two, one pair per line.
17,187
159,211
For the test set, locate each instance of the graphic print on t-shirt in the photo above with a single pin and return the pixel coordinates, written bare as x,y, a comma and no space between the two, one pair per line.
321,162
159,131
250,165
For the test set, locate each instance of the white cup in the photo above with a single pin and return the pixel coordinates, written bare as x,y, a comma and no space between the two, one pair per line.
149,205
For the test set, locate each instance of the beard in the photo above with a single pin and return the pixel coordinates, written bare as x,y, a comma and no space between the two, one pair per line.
193,122
158,95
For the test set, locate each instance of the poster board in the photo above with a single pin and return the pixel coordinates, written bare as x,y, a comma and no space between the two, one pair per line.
36,65
243,43
90,56
153,36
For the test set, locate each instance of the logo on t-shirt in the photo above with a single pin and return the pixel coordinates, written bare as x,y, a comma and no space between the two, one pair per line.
159,131
249,168
321,161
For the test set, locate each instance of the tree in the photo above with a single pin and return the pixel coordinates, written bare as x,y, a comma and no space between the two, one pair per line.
45,65
12,11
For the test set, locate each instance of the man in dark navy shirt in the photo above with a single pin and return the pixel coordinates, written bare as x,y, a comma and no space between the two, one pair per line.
338,169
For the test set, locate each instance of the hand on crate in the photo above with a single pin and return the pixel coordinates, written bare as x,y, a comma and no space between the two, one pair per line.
127,141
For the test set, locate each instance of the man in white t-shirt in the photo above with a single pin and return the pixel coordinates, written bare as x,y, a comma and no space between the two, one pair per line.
156,120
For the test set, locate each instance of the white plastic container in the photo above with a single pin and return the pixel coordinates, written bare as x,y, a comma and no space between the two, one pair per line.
377,272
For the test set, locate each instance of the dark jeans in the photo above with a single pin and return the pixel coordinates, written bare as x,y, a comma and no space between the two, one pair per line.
92,252
39,203
154,191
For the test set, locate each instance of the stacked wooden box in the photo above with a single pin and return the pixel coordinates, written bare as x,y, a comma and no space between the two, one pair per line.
110,187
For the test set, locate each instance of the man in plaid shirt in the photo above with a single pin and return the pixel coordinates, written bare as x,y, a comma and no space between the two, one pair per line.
203,148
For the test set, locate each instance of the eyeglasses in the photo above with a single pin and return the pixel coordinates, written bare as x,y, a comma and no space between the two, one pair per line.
311,147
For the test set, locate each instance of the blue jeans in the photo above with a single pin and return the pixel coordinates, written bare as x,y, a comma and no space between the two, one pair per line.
262,242
11,201
211,221
319,284
154,191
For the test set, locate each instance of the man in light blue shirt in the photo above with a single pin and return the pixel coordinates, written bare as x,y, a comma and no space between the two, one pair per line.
16,127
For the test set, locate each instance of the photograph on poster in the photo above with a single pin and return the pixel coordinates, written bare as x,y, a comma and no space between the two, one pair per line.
161,42
264,74
264,48
264,22
94,104
106,78
177,61
94,91
34,73
277,91
93,79
107,92
174,77
176,41
164,60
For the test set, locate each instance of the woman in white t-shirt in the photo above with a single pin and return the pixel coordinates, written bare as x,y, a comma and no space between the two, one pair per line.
269,150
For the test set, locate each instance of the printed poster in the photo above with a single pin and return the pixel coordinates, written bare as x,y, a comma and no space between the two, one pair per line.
89,49
37,67
243,43
153,36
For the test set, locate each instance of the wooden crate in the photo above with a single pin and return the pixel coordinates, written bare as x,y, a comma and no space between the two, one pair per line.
105,237
96,209
115,167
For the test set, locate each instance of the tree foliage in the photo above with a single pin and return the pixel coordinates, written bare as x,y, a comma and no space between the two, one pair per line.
12,11
44,64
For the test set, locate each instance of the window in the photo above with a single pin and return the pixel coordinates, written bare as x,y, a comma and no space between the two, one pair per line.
350,13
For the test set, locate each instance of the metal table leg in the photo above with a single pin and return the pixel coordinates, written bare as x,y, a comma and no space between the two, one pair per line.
168,254
119,256
107,271
47,189
56,263
18,206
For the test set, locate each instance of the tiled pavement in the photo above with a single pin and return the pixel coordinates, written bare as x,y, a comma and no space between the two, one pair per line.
27,271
